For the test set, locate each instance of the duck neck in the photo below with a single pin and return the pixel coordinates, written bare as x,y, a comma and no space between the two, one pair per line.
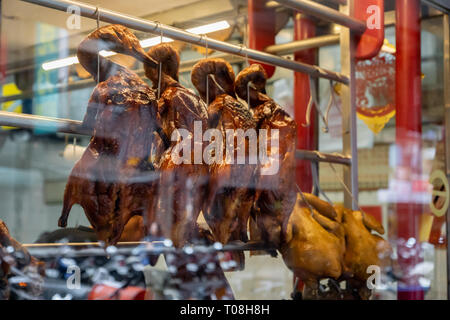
166,81
98,66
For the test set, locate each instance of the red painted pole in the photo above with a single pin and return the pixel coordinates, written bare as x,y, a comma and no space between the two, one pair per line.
304,28
261,29
408,140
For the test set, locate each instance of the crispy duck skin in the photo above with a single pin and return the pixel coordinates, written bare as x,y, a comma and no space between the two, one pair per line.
182,185
313,247
230,191
115,179
276,193
363,248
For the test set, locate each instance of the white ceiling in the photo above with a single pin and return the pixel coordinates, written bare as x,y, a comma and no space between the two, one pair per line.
19,19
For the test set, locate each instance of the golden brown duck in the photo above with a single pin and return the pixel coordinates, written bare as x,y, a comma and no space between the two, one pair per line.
363,248
183,179
115,178
233,168
276,190
313,246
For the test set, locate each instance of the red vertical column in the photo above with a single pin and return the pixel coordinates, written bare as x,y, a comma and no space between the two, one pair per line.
408,140
261,29
304,28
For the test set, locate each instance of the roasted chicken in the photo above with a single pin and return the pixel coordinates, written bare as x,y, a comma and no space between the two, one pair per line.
184,177
232,166
313,246
276,191
363,248
115,178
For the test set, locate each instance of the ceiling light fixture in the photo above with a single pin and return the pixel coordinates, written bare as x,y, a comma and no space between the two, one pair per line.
207,28
55,64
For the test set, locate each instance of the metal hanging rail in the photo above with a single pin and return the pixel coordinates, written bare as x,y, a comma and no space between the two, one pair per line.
30,121
185,66
323,157
294,46
136,23
325,13
52,250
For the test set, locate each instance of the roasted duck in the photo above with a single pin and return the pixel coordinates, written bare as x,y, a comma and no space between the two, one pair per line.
276,190
20,259
184,177
363,248
232,173
313,247
115,178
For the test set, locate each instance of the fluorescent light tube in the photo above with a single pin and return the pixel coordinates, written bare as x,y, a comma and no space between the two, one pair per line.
153,41
207,28
55,64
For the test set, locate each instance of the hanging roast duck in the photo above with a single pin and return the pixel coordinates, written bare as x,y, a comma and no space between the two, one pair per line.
276,189
230,193
115,179
184,177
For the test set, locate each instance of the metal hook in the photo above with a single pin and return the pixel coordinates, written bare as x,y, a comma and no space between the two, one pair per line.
311,209
332,102
243,48
355,203
313,102
160,66
206,45
157,25
74,146
316,182
248,93
98,52
207,76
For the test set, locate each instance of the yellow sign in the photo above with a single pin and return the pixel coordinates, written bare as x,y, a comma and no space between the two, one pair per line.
441,178
10,89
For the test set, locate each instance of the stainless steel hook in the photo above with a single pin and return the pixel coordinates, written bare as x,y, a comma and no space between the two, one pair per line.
355,202
316,182
311,209
313,102
97,10
160,64
332,102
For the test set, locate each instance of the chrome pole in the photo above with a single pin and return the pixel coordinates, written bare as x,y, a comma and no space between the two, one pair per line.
323,157
185,66
446,22
29,121
348,98
323,12
136,23
294,46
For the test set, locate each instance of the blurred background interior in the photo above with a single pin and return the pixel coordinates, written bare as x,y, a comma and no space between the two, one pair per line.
35,163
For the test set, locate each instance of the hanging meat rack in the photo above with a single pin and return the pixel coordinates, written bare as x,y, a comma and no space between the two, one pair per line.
347,42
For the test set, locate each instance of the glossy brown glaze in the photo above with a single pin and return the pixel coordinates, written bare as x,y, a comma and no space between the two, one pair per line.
220,77
276,193
115,177
230,191
182,185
